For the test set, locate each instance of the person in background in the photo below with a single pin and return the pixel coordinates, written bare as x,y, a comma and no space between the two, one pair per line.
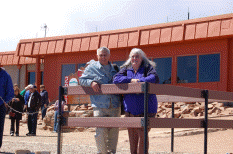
32,105
16,85
97,73
6,94
138,68
56,108
17,104
22,93
44,100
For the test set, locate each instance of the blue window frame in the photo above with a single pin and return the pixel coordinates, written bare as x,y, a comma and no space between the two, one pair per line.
81,65
119,63
209,68
31,78
163,69
67,69
187,69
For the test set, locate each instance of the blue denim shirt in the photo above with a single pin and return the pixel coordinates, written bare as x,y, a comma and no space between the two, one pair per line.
95,72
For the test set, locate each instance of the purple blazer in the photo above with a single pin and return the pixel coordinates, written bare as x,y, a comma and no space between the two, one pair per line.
134,103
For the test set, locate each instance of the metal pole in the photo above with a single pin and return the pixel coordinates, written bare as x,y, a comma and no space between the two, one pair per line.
146,118
61,92
172,130
206,121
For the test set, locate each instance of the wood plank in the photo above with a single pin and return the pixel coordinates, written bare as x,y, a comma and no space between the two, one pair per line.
153,122
106,89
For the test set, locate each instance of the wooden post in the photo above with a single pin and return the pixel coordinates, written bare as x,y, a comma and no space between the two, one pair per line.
38,76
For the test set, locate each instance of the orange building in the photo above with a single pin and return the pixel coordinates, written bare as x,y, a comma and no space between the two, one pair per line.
194,53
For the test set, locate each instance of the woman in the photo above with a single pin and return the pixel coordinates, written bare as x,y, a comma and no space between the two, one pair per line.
17,104
56,108
138,68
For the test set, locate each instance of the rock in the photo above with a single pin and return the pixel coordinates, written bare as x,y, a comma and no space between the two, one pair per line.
75,108
84,115
210,106
185,110
50,128
72,114
221,104
22,151
168,105
90,108
44,127
65,108
200,114
83,107
177,114
193,113
78,113
197,110
185,116
80,129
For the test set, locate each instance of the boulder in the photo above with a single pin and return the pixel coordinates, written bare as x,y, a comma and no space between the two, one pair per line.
210,106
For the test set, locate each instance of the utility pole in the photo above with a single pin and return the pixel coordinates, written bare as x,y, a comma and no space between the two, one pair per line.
45,28
188,13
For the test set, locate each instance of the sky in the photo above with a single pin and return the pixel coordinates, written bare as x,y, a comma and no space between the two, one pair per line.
25,19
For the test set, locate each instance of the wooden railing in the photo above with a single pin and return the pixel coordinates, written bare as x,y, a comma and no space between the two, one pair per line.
165,93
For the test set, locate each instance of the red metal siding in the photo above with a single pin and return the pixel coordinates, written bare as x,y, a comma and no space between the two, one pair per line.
113,41
59,46
227,27
165,35
51,47
76,45
15,60
43,48
154,36
36,48
104,41
10,59
94,43
214,28
177,33
28,49
190,31
123,40
201,30
68,45
144,37
133,39
22,48
85,44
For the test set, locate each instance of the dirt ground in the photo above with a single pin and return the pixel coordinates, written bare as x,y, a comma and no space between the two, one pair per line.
219,141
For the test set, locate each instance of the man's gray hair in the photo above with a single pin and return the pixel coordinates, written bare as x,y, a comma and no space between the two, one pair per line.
142,54
103,49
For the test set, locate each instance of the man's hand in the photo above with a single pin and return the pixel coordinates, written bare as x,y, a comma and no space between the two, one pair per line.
134,80
95,86
45,105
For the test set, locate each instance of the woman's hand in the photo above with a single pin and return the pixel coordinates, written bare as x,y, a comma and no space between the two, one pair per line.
17,99
134,80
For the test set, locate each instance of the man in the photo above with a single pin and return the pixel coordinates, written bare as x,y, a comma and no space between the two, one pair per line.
32,104
6,94
22,93
96,73
44,100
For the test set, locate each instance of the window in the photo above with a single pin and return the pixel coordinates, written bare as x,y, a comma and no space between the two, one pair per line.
31,78
67,69
163,69
42,78
81,65
186,69
209,68
119,63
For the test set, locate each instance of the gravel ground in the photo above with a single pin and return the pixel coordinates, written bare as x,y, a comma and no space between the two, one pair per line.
219,141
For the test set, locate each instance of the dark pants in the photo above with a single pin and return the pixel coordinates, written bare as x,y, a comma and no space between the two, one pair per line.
13,126
2,121
43,110
32,122
136,135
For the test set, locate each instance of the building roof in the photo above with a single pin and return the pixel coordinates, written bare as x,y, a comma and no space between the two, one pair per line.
180,31
10,58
